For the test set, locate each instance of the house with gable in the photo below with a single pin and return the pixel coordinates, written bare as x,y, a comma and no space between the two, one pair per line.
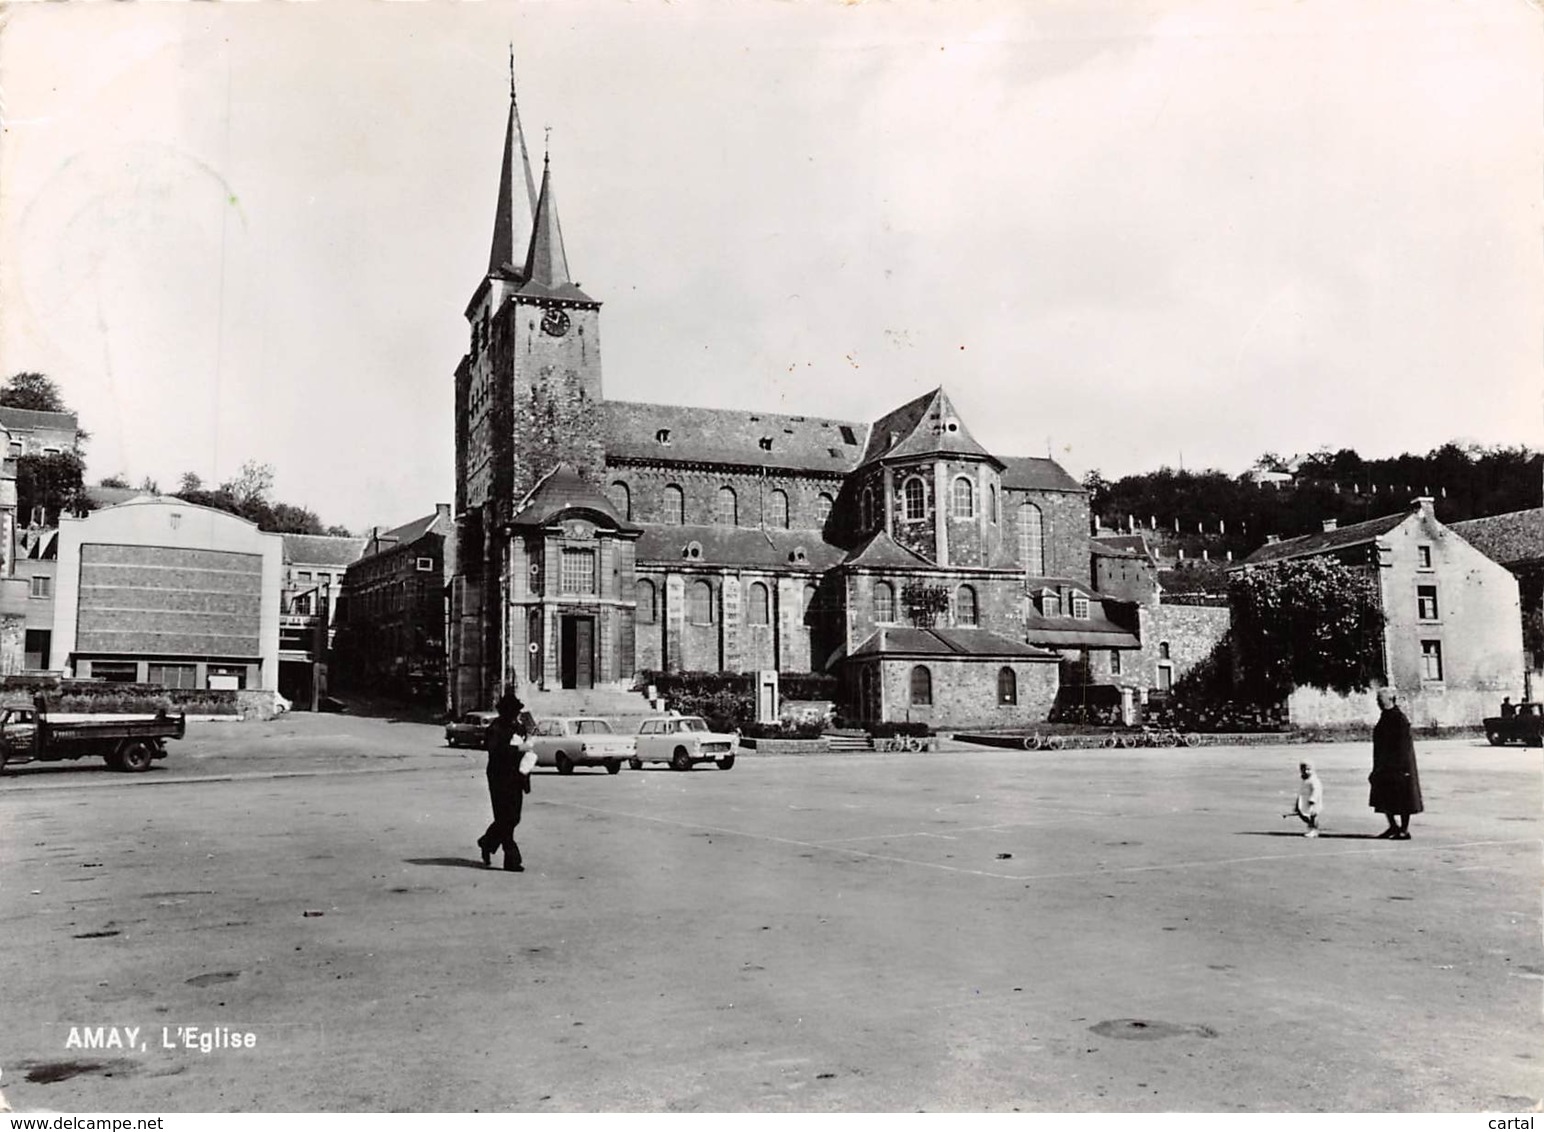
1451,644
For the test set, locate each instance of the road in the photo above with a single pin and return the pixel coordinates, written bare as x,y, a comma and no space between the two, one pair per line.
962,930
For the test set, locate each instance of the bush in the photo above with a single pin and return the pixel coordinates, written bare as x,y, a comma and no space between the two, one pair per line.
727,700
899,730
785,729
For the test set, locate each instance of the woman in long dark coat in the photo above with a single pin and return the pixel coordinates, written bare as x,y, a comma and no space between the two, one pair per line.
1396,783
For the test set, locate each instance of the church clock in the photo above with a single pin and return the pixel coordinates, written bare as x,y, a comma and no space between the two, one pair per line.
555,323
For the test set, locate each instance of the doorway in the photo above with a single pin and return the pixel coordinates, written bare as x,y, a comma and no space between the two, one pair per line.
577,652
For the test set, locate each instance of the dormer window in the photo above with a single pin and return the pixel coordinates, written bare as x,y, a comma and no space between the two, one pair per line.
766,443
663,436
1050,603
1080,607
692,551
798,555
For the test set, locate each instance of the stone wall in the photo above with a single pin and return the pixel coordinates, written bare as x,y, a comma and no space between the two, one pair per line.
1190,631
1065,525
638,492
965,692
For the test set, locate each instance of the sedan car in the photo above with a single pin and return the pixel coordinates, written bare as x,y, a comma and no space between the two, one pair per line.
471,730
683,741
567,743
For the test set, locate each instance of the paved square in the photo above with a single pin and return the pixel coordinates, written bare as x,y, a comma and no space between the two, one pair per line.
1128,930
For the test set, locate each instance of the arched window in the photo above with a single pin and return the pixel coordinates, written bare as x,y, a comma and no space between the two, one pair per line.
699,603
809,605
884,602
965,606
964,498
1007,686
675,505
777,508
916,499
648,611
728,511
1163,650
1031,540
866,509
823,505
921,686
991,495
758,604
622,498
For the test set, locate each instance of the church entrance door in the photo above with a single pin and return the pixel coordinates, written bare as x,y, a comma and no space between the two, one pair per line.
578,652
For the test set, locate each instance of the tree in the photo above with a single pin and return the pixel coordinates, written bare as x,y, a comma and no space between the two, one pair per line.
34,391
924,602
191,481
53,483
251,484
1312,622
149,486
117,479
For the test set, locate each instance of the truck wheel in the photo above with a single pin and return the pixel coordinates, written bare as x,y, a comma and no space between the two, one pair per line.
726,763
636,764
680,760
1495,739
565,765
614,766
135,757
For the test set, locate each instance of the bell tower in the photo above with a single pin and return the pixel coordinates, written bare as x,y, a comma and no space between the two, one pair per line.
528,395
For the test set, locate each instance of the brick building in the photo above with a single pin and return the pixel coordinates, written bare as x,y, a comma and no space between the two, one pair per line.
391,619
597,539
1452,639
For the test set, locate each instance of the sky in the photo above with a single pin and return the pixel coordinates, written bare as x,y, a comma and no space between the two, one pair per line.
1129,233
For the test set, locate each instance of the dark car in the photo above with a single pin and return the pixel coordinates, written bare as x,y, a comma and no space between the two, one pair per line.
471,730
1525,726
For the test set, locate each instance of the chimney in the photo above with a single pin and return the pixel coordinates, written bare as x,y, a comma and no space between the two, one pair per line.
1331,524
1272,540
1424,504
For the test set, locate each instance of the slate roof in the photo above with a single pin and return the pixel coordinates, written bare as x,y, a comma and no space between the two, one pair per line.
883,551
36,419
1121,546
1326,542
921,427
772,548
546,264
323,550
731,436
1037,473
907,641
564,489
1510,539
407,534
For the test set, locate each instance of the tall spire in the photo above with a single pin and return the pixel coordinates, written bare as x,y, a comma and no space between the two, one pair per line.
517,187
545,263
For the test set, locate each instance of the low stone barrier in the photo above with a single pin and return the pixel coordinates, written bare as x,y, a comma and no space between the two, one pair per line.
786,746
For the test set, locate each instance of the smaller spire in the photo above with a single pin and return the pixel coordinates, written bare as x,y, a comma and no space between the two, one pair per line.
545,262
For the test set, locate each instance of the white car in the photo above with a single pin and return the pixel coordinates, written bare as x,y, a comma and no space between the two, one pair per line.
567,743
682,741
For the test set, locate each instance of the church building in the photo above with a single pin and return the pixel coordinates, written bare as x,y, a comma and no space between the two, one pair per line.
599,539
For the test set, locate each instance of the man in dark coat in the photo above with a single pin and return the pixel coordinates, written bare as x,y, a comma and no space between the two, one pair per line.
507,787
1396,783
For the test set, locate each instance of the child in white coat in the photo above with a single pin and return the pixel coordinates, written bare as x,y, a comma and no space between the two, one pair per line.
1310,800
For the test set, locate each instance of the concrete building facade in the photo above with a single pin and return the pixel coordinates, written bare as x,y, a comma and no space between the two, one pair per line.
156,590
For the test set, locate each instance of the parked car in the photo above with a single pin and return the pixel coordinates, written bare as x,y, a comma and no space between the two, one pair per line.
682,741
471,730
1526,726
567,743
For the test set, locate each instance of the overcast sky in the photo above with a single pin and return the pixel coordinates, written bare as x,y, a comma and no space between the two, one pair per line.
1137,233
